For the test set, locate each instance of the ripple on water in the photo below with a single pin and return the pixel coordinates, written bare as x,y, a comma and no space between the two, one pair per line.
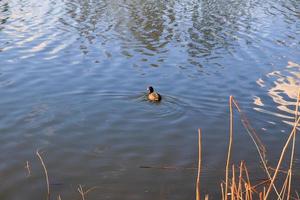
169,107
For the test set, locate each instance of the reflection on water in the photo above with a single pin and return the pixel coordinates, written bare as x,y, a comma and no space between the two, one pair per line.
283,87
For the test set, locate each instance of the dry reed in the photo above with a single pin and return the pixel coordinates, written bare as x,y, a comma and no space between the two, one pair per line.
229,148
293,148
239,186
84,193
46,174
198,197
27,166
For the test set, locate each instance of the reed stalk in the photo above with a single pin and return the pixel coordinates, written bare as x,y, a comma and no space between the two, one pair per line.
283,189
239,190
293,148
233,185
27,166
81,192
222,191
198,197
257,142
229,146
46,174
281,158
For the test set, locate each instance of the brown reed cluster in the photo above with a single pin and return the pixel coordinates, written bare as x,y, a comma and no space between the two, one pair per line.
237,184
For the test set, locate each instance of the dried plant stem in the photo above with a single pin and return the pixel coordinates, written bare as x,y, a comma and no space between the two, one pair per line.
298,197
27,166
293,148
198,197
229,147
260,196
248,193
239,190
206,197
82,193
283,189
281,158
167,167
233,185
222,190
46,174
257,142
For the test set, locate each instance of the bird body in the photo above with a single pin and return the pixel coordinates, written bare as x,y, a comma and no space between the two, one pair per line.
152,95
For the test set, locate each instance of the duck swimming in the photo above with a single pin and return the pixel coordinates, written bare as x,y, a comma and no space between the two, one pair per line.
152,95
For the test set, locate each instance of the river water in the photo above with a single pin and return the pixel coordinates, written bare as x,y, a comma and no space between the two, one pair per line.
73,79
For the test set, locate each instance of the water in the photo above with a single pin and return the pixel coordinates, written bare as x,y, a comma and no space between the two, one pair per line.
73,78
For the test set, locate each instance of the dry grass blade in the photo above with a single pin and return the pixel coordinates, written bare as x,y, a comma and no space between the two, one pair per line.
46,174
198,197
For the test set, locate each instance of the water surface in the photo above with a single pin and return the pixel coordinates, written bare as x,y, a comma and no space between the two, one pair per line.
73,77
